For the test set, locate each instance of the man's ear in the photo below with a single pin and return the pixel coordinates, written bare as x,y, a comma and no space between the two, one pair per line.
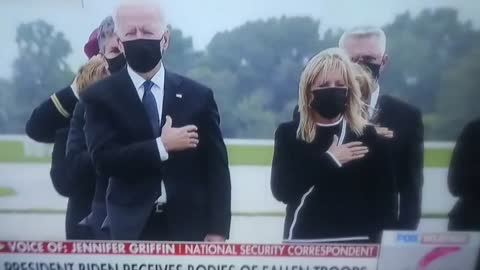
166,40
120,45
385,62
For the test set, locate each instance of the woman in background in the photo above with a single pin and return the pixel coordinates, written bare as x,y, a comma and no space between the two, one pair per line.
331,168
81,173
79,193
365,81
50,123
53,115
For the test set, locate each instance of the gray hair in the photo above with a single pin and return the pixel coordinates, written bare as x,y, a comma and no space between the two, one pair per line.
157,4
105,31
364,32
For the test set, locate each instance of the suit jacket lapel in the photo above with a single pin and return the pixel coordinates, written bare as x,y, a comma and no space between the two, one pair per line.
170,99
379,113
138,117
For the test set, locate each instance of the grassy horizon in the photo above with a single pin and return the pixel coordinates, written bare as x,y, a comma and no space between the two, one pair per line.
254,155
6,191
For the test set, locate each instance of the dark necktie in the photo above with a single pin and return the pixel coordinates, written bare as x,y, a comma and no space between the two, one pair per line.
150,105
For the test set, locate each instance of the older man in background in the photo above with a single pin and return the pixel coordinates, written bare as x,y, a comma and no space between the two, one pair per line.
109,45
156,134
79,174
367,46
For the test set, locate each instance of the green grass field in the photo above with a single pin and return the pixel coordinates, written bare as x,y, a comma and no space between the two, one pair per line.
6,191
12,151
262,156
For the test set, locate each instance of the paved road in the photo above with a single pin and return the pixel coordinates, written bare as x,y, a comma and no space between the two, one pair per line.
250,189
244,229
250,193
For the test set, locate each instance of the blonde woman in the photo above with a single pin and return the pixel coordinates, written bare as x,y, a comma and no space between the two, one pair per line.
74,170
331,168
82,173
366,83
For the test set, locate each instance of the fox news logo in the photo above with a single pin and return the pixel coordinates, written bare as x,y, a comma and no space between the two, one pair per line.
409,238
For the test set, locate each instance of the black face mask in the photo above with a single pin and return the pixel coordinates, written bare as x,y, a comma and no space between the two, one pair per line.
116,64
330,102
374,69
143,55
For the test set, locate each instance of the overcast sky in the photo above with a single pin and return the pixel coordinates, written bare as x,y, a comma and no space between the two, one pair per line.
202,19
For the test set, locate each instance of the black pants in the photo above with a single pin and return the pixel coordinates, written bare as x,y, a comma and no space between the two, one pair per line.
77,209
156,228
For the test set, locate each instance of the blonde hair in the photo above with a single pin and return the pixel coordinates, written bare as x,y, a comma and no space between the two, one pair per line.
365,81
94,70
155,5
321,66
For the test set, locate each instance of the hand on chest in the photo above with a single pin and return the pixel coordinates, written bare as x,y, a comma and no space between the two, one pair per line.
342,145
136,118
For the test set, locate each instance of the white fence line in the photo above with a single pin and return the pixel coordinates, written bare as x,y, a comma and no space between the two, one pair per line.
262,142
259,142
439,145
35,149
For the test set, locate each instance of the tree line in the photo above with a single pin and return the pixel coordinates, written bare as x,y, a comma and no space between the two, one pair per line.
254,70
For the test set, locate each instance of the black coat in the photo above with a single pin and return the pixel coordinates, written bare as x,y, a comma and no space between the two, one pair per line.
122,144
79,196
407,153
51,115
49,123
464,180
82,175
327,201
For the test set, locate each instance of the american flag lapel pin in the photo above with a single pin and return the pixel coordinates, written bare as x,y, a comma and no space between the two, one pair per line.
179,95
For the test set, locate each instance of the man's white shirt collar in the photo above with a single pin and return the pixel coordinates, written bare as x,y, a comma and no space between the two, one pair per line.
158,79
373,101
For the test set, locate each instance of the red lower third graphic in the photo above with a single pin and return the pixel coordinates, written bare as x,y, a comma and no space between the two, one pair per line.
434,255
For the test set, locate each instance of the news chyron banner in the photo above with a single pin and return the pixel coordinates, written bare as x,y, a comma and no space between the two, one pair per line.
95,255
429,251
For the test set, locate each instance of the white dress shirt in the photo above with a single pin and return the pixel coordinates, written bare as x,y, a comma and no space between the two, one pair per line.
373,101
158,81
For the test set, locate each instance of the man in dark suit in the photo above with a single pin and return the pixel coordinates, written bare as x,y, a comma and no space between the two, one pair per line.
156,134
366,46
